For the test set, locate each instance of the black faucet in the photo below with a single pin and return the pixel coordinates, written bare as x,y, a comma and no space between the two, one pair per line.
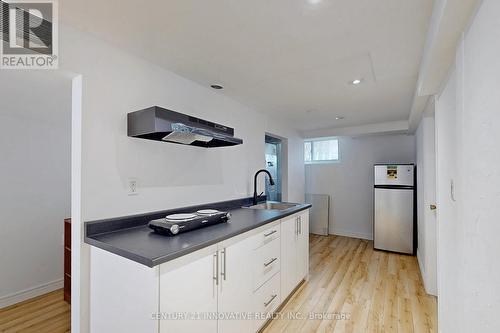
271,181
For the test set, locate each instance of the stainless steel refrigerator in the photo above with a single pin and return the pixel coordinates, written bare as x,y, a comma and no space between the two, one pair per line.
394,208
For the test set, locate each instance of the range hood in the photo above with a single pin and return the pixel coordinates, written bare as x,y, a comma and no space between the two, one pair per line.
159,124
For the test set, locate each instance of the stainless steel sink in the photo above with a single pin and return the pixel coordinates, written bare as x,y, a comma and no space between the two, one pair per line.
271,205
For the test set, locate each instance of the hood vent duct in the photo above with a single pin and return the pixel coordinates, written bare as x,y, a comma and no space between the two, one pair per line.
159,124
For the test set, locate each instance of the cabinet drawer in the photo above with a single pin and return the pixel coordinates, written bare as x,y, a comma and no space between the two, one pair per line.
267,299
267,236
266,262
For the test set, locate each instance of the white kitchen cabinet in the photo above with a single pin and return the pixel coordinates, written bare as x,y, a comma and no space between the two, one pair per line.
294,252
268,235
218,282
267,299
214,288
266,261
236,285
123,294
303,247
289,277
188,294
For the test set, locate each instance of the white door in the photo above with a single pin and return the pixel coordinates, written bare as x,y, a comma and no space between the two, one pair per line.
303,246
449,229
189,290
289,228
236,286
426,197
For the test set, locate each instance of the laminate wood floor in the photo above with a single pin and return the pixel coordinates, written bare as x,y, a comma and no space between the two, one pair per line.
353,288
48,313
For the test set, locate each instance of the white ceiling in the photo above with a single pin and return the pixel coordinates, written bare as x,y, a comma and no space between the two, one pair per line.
287,58
448,22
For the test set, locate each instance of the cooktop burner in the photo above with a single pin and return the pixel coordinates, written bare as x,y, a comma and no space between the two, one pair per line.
180,217
208,212
176,223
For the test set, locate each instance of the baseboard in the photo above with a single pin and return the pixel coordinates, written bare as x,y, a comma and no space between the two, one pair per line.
424,276
351,234
422,270
26,294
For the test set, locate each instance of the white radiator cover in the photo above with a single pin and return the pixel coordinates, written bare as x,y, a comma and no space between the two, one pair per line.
320,213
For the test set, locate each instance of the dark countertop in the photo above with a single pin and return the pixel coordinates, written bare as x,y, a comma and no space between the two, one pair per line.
131,238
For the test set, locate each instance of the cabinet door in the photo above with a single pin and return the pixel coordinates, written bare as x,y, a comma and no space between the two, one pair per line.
288,256
303,246
187,293
123,294
236,286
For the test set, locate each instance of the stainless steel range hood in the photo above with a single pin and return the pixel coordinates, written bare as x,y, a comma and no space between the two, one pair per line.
159,124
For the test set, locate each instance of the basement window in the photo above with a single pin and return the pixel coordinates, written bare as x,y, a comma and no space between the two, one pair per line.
321,151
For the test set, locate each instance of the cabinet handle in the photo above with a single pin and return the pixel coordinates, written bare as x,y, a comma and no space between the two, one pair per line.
270,233
270,262
223,273
296,226
270,300
216,270
300,225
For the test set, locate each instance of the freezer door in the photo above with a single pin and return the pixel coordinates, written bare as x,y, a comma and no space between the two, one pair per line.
393,224
394,175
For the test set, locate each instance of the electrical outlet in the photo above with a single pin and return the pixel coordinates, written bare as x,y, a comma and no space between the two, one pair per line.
132,187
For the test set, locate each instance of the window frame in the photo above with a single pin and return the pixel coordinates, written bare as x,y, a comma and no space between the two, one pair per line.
312,140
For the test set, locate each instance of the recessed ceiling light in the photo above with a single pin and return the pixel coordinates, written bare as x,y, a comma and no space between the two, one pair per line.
216,86
356,81
339,118
314,2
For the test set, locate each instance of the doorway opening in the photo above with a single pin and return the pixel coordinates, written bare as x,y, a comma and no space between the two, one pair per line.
273,155
36,143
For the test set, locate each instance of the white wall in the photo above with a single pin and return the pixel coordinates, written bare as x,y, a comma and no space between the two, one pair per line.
35,132
450,235
426,195
168,175
469,292
350,181
293,160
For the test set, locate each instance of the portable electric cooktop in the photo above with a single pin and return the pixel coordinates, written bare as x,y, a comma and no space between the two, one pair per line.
177,223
